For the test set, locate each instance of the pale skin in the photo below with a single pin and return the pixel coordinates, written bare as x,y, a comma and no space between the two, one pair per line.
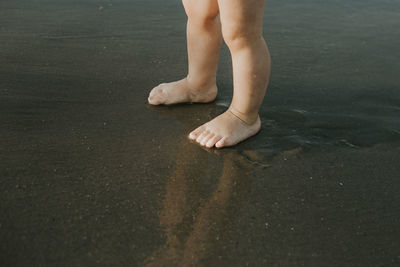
239,24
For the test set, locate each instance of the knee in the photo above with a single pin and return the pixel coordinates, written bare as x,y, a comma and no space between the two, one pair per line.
238,36
200,13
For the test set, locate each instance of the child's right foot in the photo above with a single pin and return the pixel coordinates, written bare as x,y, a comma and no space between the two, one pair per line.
181,92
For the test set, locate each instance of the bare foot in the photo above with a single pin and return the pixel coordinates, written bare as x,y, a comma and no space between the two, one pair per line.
181,91
227,129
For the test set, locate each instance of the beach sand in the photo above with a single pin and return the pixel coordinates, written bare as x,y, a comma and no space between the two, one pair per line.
91,175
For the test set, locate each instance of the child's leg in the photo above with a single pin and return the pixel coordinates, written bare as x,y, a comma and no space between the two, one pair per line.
242,31
203,43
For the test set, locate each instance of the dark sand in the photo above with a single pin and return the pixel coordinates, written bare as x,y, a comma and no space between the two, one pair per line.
90,175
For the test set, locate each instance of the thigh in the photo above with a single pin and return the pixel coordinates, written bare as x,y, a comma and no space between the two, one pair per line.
201,9
242,15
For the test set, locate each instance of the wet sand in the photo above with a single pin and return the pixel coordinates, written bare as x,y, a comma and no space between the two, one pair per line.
90,175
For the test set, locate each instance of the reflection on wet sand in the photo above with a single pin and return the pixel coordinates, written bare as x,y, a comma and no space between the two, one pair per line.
193,221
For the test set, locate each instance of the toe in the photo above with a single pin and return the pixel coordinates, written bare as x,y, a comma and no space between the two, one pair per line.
153,91
153,100
221,143
194,134
201,136
155,96
206,138
212,141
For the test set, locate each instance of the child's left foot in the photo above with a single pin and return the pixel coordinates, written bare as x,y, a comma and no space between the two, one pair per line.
227,129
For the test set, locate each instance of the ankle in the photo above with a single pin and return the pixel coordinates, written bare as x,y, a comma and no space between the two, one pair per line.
247,118
200,84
